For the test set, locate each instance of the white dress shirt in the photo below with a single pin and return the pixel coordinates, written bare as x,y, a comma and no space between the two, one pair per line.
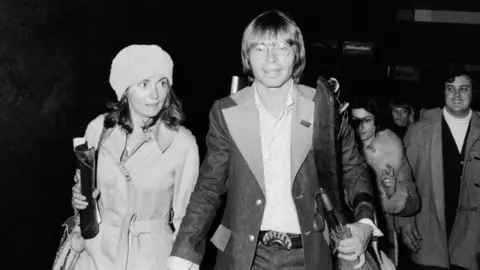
280,213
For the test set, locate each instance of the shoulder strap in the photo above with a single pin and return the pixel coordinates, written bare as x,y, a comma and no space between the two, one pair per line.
103,136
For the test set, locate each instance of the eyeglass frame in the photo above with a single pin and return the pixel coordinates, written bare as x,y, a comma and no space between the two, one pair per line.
275,48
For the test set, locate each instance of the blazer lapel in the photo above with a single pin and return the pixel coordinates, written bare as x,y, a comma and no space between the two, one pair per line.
436,154
302,130
474,134
244,126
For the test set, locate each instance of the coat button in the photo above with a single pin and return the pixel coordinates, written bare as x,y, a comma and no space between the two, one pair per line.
469,159
474,209
258,202
251,237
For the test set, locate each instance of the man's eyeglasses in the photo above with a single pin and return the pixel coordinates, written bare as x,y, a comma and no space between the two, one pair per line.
261,51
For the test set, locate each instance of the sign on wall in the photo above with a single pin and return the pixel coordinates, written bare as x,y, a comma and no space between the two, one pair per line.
403,72
358,48
473,68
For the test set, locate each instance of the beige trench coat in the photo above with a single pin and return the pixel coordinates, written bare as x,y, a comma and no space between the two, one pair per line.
134,232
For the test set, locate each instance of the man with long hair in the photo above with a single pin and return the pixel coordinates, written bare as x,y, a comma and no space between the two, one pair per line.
260,153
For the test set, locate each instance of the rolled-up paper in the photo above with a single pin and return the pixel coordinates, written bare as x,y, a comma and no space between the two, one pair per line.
86,163
78,141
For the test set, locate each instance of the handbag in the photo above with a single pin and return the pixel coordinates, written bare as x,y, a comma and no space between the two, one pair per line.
72,243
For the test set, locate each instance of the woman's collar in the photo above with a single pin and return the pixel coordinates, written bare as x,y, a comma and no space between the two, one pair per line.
164,135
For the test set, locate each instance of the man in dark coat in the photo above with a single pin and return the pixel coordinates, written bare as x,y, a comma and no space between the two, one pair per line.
262,144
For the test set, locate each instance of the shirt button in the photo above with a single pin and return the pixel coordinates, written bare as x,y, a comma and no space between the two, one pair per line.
258,202
251,237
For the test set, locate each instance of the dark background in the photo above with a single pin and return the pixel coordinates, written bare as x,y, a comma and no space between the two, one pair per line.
55,59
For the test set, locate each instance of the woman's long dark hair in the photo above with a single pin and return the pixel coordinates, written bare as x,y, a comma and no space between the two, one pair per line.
171,113
370,105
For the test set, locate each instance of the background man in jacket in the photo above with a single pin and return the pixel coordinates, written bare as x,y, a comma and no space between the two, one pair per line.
443,149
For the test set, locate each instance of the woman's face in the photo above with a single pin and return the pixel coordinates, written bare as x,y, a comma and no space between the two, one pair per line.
147,97
366,124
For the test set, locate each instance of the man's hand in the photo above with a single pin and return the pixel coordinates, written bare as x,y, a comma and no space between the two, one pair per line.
353,248
411,236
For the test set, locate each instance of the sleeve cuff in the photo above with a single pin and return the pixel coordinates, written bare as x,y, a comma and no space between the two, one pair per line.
376,231
177,263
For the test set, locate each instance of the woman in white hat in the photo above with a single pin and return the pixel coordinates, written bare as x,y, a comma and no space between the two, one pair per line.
147,165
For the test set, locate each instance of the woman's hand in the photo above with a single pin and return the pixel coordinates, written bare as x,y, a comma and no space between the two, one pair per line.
78,200
389,181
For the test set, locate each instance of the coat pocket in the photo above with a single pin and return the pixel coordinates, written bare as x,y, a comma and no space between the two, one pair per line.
220,237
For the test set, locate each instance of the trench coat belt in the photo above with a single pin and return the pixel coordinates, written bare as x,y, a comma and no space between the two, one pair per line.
130,226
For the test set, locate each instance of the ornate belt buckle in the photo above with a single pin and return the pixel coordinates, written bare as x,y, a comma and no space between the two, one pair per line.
277,239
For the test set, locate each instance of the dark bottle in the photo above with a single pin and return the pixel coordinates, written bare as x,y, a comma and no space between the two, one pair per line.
336,222
89,217
339,231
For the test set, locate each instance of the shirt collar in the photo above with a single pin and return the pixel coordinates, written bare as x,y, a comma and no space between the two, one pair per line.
290,100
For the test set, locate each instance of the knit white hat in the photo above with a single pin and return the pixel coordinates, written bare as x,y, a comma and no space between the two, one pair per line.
136,63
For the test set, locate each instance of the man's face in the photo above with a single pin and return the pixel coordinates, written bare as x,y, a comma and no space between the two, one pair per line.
400,116
458,96
271,62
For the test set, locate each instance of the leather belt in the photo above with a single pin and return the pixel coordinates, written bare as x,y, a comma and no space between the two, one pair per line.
280,240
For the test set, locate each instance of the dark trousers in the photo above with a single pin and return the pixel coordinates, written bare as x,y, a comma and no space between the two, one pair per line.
271,258
425,267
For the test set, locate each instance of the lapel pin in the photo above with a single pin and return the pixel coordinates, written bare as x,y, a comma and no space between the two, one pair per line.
305,123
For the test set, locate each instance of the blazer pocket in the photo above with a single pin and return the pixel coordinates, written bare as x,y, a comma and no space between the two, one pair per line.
220,237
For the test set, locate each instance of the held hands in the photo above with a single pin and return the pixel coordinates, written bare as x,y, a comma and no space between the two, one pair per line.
389,181
78,200
411,236
353,249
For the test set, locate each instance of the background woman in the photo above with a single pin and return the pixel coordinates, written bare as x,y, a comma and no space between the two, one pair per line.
378,145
